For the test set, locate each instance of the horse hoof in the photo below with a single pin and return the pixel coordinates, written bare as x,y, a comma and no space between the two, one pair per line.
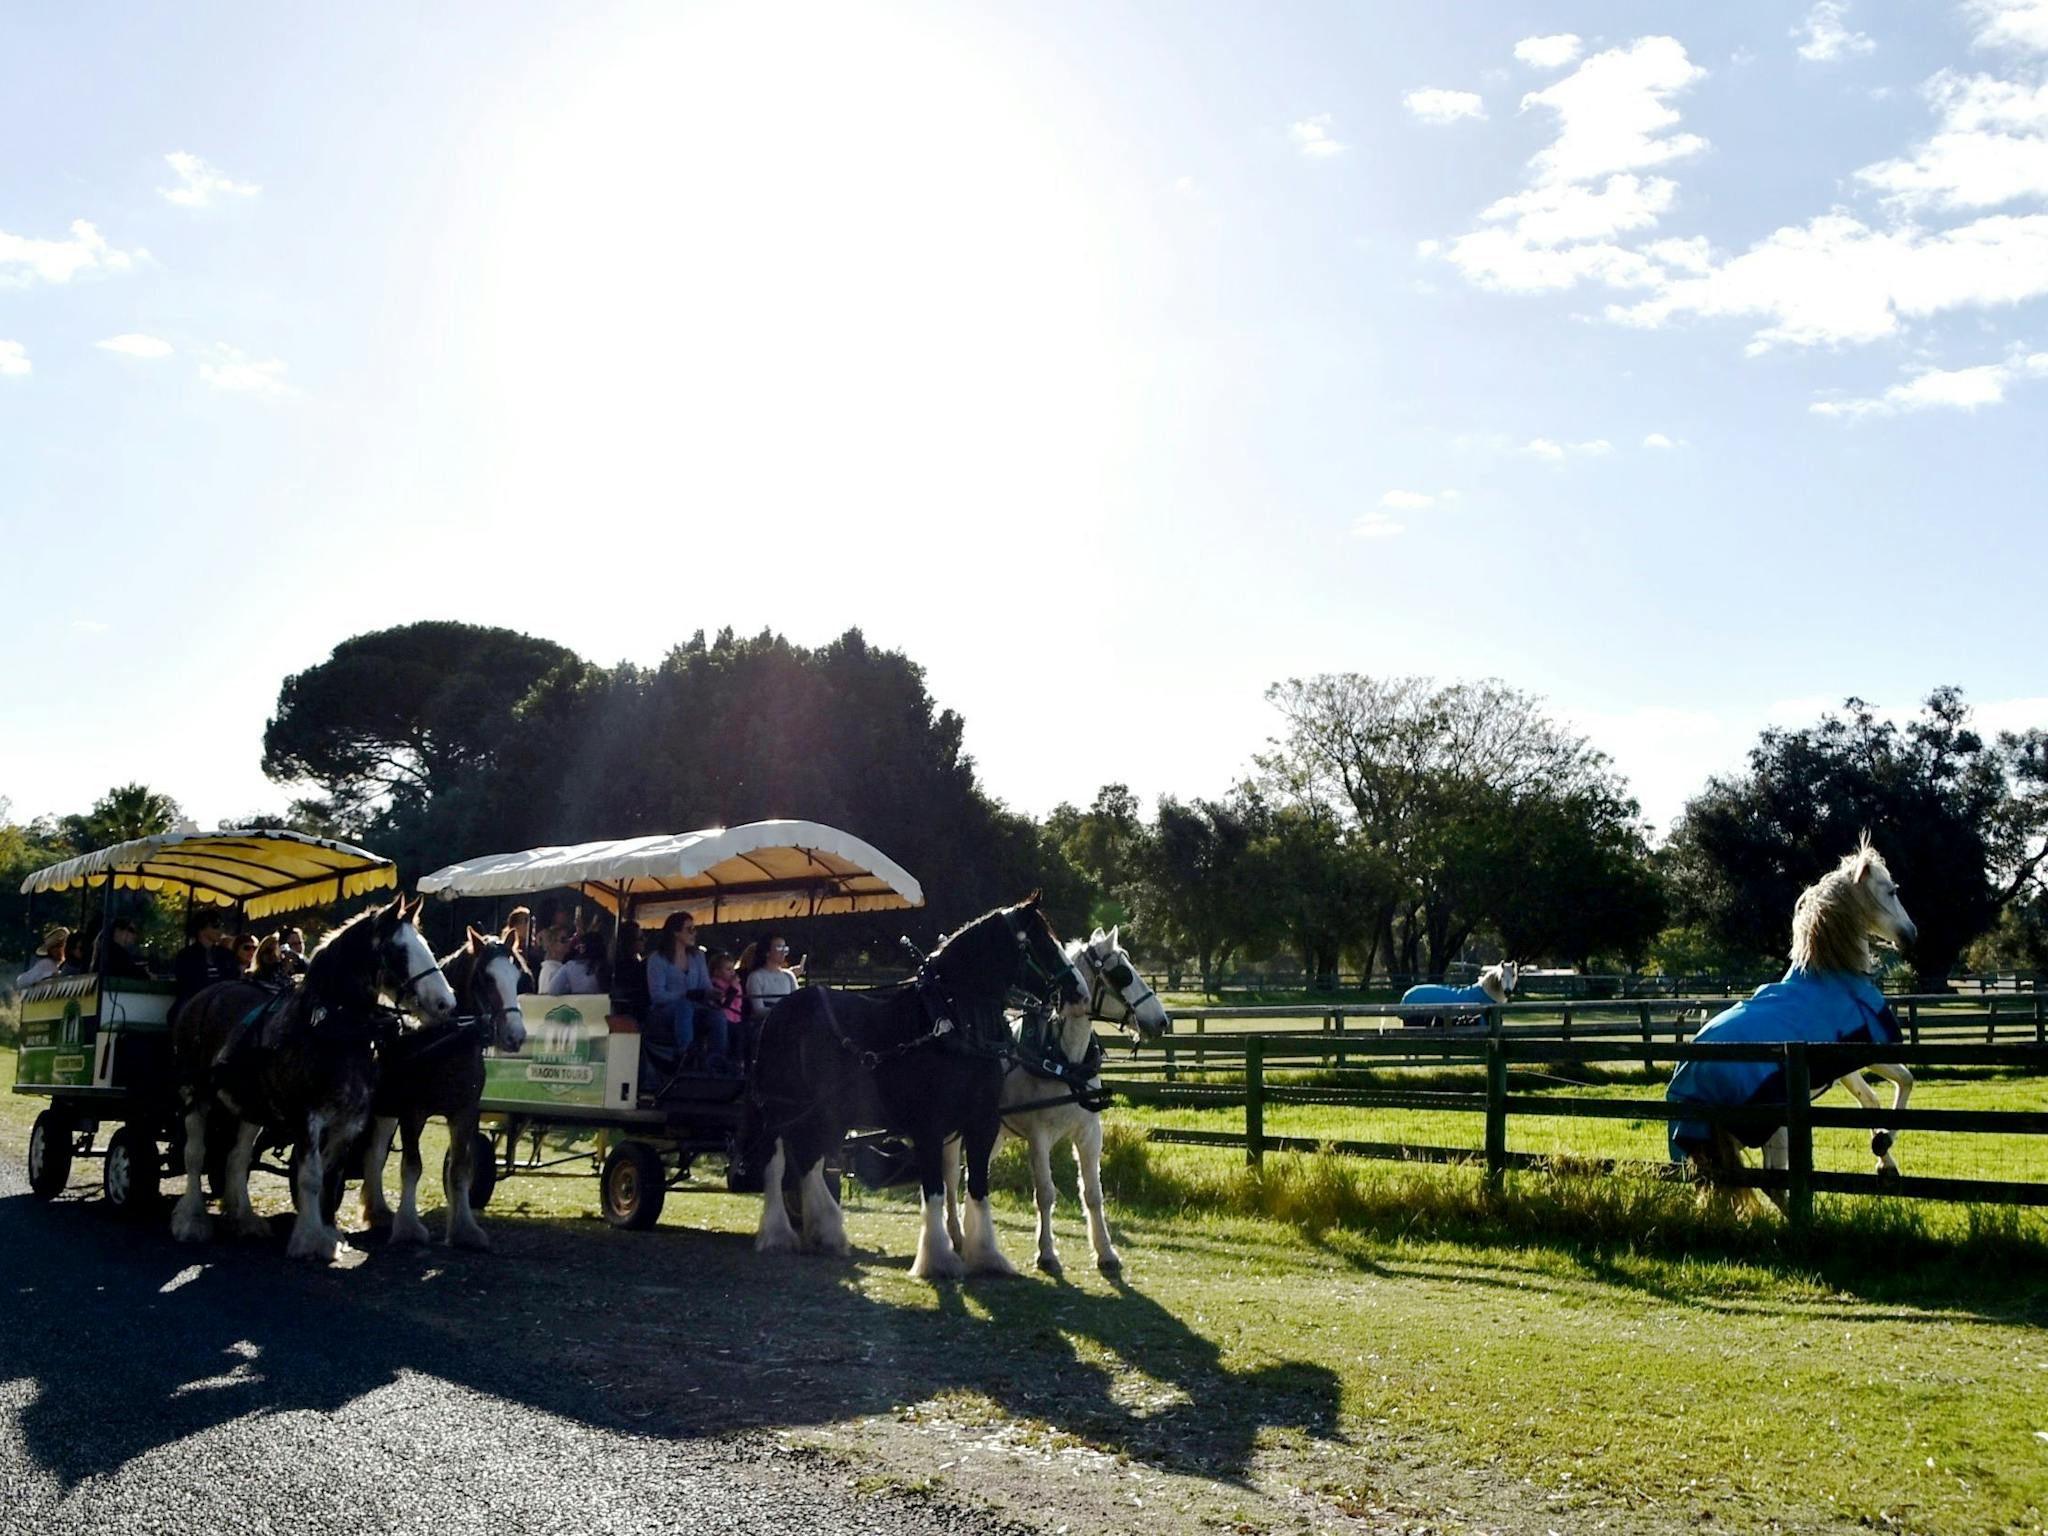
192,1229
474,1239
775,1242
1050,1263
407,1232
377,1221
317,1248
249,1224
938,1266
993,1266
1110,1264
838,1247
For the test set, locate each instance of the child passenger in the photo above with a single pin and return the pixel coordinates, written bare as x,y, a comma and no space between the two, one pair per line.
730,999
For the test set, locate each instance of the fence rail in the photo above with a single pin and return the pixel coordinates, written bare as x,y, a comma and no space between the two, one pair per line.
1154,1075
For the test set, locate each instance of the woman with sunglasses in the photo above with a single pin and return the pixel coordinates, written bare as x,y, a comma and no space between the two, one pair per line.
771,980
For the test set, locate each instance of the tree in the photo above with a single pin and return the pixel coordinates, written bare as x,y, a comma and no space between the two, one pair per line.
121,815
1196,893
1319,885
404,714
1104,842
1437,780
1962,822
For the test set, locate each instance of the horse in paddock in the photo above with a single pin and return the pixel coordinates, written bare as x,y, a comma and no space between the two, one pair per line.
1496,984
299,1063
438,1069
924,1060
1827,997
1053,1092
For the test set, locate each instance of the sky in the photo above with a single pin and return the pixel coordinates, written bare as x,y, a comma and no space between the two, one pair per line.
1683,365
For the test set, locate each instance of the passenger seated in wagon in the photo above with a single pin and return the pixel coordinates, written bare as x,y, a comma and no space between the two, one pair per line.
121,960
49,959
202,961
679,1010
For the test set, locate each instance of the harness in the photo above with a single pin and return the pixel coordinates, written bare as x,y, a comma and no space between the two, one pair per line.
1038,1052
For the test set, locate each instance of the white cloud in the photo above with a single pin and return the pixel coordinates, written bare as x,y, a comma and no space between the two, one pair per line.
13,359
1659,440
1552,52
1990,146
134,344
1312,136
1377,525
1407,501
1557,453
23,260
1613,119
1439,106
1827,35
1613,112
1835,279
2018,24
231,371
200,183
1961,389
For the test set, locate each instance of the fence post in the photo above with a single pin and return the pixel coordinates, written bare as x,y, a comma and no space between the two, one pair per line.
1199,1056
1496,1111
1798,1136
1913,1021
1643,1017
2040,1022
1990,1020
1171,1074
1255,1101
1566,1032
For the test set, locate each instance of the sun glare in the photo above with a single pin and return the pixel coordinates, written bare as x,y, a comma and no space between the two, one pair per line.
821,270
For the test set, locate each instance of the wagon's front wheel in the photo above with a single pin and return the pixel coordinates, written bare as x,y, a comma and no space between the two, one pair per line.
49,1154
131,1173
633,1186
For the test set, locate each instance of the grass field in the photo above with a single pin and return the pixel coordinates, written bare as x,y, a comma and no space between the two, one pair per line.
1366,1338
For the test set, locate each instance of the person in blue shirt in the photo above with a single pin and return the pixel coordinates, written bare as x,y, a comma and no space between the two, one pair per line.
680,1009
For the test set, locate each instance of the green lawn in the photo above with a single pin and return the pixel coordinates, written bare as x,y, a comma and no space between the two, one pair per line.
1583,1335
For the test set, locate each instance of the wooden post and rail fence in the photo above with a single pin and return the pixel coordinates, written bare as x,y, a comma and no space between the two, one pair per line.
1199,1067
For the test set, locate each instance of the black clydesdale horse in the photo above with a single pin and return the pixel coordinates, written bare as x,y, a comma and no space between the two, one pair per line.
438,1069
299,1063
923,1060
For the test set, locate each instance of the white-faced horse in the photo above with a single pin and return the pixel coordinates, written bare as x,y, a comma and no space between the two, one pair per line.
438,1069
1054,1092
1496,984
1827,997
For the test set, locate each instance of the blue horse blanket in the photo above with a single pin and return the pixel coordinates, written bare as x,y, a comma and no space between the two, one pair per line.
1819,1007
1449,997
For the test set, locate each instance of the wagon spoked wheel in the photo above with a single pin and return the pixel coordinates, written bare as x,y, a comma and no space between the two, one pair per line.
633,1186
131,1173
483,1170
49,1154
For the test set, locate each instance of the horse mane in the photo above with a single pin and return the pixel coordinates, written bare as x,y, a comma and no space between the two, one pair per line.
332,970
973,931
1832,919
1494,983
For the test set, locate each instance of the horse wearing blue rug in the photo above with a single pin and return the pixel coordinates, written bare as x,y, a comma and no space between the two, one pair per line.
1826,998
1496,985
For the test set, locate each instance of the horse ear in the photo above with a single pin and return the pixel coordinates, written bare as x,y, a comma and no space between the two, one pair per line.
1113,944
1030,903
1095,939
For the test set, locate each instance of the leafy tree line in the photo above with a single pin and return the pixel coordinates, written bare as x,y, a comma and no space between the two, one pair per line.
1390,825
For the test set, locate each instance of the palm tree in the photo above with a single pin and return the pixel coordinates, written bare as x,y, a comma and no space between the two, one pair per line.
123,813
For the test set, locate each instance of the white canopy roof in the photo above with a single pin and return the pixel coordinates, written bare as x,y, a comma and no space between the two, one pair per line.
267,870
759,872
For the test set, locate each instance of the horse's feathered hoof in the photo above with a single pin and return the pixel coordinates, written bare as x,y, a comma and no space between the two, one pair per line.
1109,1264
248,1224
784,1241
938,1264
191,1226
317,1246
472,1237
412,1230
1050,1263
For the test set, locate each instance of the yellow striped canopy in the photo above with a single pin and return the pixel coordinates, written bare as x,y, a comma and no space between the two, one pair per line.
266,870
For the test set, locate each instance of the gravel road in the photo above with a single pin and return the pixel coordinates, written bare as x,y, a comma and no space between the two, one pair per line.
150,1387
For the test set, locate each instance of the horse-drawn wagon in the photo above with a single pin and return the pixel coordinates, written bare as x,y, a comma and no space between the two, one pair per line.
97,1045
582,1068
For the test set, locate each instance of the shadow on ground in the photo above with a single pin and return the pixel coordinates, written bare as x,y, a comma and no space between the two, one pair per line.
134,1342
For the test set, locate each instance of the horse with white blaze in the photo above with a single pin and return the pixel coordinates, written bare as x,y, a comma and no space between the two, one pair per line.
1496,985
1054,1093
1825,998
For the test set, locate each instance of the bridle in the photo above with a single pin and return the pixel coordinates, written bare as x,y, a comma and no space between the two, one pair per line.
1107,985
1067,979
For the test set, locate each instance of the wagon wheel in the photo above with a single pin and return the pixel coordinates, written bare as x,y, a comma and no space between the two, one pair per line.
633,1186
49,1154
131,1173
483,1170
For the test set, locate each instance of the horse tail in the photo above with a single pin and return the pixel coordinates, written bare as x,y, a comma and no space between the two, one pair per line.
1719,1155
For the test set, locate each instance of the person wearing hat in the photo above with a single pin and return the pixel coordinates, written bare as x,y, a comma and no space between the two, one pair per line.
202,962
49,957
